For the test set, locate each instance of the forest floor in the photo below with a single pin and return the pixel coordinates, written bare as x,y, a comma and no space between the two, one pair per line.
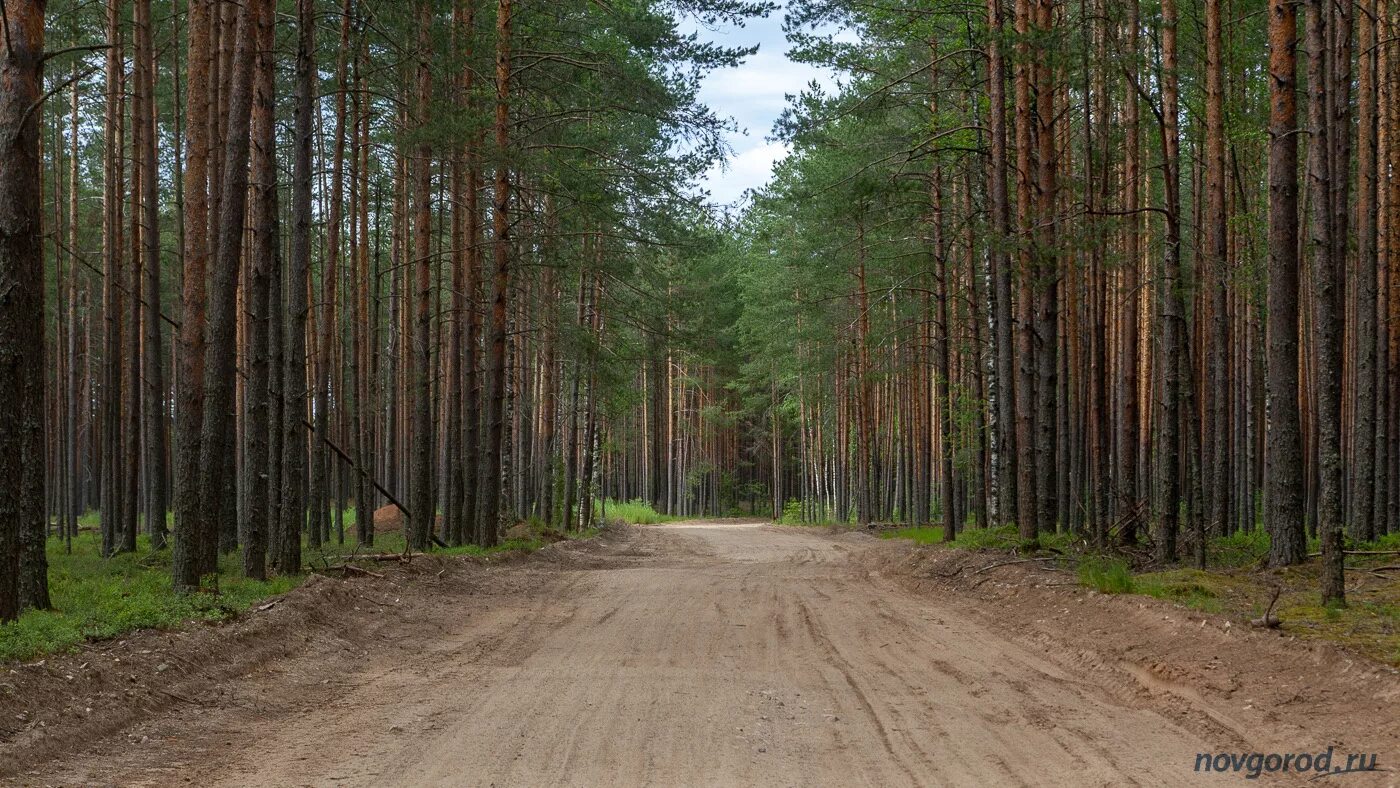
1236,582
714,653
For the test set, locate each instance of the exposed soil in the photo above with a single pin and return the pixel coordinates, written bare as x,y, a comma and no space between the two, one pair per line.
694,653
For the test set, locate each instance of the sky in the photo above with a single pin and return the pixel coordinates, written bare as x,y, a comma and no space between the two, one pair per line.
753,94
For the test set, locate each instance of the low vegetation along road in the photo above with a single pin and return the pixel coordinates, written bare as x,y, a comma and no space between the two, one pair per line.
710,653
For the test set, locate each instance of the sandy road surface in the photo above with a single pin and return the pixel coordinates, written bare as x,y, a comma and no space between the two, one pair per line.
689,654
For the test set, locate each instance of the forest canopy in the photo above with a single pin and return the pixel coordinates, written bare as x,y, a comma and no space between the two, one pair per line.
279,273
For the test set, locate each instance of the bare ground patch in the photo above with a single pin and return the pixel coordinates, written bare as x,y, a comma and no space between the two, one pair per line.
1266,688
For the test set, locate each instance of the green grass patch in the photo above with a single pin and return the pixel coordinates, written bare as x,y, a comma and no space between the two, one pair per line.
927,534
96,598
1390,541
334,552
636,512
1242,548
1198,590
1006,537
1106,575
1193,588
794,514
1003,537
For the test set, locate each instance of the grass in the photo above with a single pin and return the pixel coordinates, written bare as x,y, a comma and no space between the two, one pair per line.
1106,575
1236,584
918,534
96,598
637,512
394,542
1003,537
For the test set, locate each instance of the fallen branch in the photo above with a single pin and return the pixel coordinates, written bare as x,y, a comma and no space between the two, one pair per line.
953,573
1360,552
1017,561
358,570
1269,620
400,557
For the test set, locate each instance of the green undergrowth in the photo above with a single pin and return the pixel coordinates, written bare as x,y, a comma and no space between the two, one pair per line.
393,542
1003,537
1236,583
794,514
1193,588
635,511
96,598
919,534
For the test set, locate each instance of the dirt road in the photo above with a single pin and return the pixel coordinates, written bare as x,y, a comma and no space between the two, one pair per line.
690,654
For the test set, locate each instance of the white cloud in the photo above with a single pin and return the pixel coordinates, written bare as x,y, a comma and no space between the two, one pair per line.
748,168
754,95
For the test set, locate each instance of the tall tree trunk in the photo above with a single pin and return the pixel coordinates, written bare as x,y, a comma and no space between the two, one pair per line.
1283,464
1167,500
298,287
320,494
1002,240
422,503
471,385
363,328
263,251
23,566
1217,267
1368,270
1026,477
1326,290
1129,418
112,159
217,438
129,422
75,456
491,470
153,396
191,529
1047,275
549,403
